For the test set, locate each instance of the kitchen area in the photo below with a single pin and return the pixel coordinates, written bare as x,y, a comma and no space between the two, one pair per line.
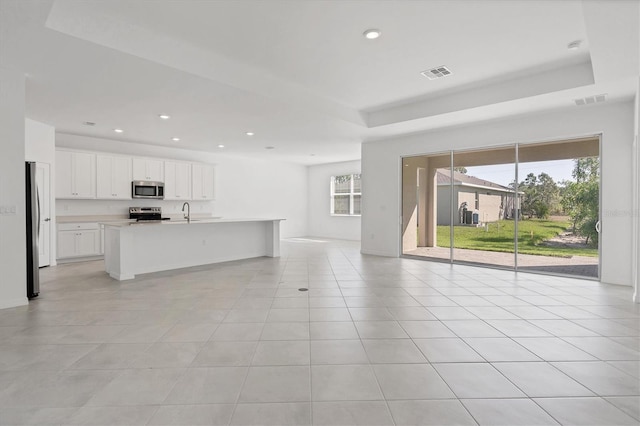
84,180
126,224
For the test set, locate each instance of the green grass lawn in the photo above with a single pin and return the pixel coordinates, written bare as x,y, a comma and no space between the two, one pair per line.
531,233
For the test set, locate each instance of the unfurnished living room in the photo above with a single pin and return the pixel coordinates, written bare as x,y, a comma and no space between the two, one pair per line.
319,212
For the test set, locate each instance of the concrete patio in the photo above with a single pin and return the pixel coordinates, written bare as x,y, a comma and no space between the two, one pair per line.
576,265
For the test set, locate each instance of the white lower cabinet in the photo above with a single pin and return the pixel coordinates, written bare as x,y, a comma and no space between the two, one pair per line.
78,240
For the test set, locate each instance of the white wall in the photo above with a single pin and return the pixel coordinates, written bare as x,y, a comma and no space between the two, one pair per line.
13,267
381,170
636,197
39,145
243,187
321,223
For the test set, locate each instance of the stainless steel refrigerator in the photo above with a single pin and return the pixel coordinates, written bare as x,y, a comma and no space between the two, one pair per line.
33,231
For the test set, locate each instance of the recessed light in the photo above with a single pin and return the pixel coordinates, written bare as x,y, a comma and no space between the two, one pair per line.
175,139
220,146
250,133
574,45
164,116
372,34
118,130
269,147
88,123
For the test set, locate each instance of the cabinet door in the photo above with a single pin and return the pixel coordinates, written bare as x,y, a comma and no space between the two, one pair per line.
202,182
155,170
64,184
170,191
113,179
183,181
84,175
140,169
104,176
207,182
121,178
147,169
88,242
101,239
177,181
196,184
66,244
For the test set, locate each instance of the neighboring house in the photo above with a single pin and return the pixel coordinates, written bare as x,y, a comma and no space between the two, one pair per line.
490,200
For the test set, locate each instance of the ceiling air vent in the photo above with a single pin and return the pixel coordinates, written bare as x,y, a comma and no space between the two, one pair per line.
437,72
591,99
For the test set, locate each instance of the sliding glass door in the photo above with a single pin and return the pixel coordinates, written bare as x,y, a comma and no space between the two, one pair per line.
531,207
485,207
559,230
426,207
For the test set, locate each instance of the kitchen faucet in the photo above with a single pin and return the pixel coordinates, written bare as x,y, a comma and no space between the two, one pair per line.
188,215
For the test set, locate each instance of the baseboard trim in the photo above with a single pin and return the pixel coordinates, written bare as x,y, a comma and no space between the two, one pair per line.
378,253
12,303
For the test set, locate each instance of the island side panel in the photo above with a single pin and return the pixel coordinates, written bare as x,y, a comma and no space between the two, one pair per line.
160,248
118,253
273,238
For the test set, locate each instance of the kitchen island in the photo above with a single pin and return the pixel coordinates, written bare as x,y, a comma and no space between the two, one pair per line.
140,248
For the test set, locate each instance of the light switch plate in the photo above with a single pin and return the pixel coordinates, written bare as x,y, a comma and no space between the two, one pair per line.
7,210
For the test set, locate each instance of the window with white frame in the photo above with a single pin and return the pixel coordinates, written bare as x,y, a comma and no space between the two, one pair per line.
345,195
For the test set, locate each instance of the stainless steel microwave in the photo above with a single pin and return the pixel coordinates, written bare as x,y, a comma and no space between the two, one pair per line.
147,189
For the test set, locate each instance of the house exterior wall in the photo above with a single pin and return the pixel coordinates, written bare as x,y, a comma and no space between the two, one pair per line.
463,196
490,206
444,204
490,202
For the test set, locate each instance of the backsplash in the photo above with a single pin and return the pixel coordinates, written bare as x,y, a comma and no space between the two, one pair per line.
109,207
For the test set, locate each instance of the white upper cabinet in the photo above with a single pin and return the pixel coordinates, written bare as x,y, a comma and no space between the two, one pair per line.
75,175
148,169
114,177
202,179
177,180
108,176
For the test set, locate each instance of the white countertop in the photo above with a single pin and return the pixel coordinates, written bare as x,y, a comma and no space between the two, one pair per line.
93,218
195,221
124,218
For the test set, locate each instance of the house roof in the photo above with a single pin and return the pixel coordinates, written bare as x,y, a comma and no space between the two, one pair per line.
444,178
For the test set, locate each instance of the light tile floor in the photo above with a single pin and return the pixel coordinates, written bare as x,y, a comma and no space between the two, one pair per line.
373,341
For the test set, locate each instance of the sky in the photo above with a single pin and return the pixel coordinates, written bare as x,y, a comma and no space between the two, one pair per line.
503,174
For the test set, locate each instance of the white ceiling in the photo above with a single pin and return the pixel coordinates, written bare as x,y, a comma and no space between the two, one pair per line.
301,75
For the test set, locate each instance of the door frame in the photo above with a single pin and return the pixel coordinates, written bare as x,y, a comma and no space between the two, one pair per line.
451,259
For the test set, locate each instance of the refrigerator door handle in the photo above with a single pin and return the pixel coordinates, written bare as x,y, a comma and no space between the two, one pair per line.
38,212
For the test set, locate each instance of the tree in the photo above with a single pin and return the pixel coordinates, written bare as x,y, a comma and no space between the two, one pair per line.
541,195
461,169
581,199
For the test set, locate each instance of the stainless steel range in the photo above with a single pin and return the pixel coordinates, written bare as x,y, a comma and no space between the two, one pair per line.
146,214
